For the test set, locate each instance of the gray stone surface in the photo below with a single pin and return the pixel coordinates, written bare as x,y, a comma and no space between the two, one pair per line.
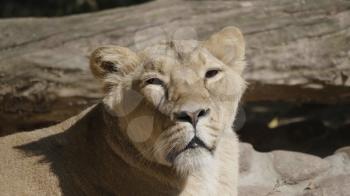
345,150
253,190
286,173
294,167
332,186
246,153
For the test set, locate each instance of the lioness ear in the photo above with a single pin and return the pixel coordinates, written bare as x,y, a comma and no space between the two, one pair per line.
228,46
116,67
112,60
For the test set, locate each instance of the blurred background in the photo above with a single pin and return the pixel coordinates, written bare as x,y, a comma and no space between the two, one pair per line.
30,8
297,53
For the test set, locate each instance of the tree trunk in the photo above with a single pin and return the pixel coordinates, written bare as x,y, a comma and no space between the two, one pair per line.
296,51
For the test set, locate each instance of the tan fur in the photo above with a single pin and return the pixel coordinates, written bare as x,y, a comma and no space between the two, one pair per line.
136,141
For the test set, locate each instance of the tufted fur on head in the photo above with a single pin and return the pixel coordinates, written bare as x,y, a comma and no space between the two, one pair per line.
180,82
182,102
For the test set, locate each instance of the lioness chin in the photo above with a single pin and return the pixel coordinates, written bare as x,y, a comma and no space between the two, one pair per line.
163,127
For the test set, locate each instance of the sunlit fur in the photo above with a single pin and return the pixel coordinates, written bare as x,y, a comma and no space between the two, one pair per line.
182,66
185,87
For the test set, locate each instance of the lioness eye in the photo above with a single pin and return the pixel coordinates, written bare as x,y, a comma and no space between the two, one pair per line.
155,81
211,73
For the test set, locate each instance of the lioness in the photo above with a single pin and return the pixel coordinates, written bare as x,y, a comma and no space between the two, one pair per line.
163,128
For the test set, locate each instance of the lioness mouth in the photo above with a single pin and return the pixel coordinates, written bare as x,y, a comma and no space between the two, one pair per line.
194,143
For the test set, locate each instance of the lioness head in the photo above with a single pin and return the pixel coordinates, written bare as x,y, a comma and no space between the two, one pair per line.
175,100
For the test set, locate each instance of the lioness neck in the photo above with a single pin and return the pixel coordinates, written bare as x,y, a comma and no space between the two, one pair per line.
204,181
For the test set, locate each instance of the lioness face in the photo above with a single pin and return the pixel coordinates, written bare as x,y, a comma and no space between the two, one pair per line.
188,92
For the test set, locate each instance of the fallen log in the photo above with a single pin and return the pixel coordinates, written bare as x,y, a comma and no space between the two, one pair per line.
297,51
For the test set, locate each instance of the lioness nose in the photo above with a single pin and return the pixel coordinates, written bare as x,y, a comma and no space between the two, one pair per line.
191,117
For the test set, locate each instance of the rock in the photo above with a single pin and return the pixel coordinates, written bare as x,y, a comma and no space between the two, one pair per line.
295,167
253,190
340,164
345,150
245,154
286,173
332,186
